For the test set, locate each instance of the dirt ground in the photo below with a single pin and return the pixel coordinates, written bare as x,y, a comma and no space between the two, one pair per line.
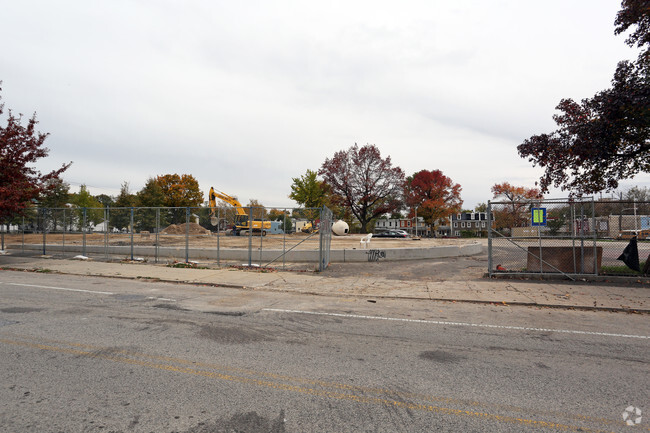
445,269
300,241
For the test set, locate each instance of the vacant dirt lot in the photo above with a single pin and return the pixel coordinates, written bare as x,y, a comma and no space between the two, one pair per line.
300,241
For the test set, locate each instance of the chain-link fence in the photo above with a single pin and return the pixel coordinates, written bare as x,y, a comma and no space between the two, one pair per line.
251,236
570,237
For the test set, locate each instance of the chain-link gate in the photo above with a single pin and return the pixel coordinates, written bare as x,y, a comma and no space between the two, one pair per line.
571,237
326,222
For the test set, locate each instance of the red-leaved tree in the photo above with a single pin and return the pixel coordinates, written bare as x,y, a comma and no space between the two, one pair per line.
20,183
434,194
604,139
366,184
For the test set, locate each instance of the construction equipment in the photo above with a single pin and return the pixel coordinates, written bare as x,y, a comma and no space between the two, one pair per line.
629,234
242,219
309,228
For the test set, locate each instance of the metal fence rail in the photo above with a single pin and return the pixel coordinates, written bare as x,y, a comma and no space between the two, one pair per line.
572,237
279,236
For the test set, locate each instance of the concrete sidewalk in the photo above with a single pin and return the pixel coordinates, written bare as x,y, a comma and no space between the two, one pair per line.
631,296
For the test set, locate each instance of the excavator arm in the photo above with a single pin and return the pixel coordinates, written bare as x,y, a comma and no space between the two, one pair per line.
214,195
242,222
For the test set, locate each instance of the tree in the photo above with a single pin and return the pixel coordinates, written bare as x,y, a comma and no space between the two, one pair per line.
481,207
120,218
635,13
308,191
56,194
366,184
605,138
434,195
85,202
106,200
311,193
179,191
150,196
20,183
258,210
283,216
519,202
640,198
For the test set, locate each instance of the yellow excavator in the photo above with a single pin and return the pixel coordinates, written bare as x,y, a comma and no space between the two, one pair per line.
241,218
309,228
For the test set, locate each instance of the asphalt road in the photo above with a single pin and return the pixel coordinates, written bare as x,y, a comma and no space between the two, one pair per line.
108,355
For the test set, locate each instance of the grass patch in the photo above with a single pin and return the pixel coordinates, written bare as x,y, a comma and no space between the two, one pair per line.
621,270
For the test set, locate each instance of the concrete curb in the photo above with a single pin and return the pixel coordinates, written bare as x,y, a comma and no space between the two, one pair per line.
354,295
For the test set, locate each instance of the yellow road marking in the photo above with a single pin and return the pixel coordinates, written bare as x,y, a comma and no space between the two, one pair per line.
298,389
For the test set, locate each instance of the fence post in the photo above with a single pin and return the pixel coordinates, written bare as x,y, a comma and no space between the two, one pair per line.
157,234
320,241
218,237
582,238
284,239
83,232
262,234
23,237
105,234
593,224
131,224
63,235
44,235
489,223
250,236
187,235
541,254
573,236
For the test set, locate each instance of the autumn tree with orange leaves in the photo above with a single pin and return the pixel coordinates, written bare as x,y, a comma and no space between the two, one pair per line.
434,194
179,191
517,202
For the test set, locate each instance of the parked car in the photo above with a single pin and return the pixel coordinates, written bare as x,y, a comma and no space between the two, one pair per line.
391,234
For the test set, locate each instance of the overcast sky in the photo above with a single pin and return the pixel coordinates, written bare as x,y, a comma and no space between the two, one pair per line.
247,95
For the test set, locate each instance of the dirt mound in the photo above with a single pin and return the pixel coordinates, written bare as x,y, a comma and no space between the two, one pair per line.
180,229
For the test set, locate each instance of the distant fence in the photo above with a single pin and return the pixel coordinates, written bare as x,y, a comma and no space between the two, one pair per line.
263,237
570,237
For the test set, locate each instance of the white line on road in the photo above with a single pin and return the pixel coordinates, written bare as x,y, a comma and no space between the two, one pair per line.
474,325
58,288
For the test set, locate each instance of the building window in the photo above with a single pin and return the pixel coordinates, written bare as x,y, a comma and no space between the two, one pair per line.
483,224
457,233
455,224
